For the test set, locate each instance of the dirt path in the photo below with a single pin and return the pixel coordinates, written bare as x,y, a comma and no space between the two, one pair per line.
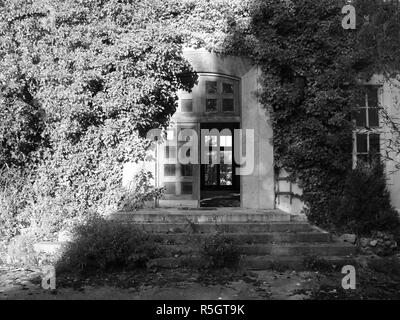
381,280
164,285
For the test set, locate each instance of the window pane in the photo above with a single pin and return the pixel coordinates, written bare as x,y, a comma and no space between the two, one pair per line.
227,88
186,170
373,117
186,105
210,174
170,152
225,175
211,87
211,105
226,157
186,188
225,141
169,170
227,105
361,118
374,143
169,187
372,93
210,141
212,157
361,143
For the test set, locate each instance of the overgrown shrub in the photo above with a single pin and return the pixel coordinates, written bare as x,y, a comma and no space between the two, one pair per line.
14,196
312,69
220,251
139,191
21,252
100,245
365,202
79,89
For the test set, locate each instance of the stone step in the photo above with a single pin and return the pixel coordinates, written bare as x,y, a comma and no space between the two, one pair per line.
245,238
256,262
201,216
281,249
248,227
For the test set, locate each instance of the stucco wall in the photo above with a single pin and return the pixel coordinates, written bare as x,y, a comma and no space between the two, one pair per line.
390,99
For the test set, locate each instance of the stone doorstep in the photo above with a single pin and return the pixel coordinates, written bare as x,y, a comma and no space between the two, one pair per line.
244,227
271,237
201,216
280,249
254,262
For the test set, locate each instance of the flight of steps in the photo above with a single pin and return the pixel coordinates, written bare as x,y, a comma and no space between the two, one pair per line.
265,238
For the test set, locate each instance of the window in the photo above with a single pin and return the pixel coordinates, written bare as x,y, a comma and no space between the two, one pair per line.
367,116
366,136
177,178
221,95
218,172
211,105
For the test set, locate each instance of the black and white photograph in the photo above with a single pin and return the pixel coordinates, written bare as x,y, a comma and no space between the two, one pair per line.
209,151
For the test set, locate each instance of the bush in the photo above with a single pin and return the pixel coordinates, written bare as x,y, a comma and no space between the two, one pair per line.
14,189
365,203
100,245
21,252
220,251
140,190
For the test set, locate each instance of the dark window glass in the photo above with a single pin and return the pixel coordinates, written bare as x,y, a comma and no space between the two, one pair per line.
211,175
374,146
361,118
186,170
227,105
373,117
372,93
186,105
362,143
227,88
211,87
169,187
186,188
211,105
169,170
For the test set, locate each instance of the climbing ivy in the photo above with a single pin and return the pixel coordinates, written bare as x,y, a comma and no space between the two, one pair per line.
312,70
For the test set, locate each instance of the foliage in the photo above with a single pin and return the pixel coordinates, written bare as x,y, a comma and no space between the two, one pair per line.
139,191
220,251
14,191
312,70
365,203
21,252
81,83
100,245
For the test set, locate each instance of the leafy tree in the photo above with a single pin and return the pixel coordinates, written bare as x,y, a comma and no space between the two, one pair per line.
81,83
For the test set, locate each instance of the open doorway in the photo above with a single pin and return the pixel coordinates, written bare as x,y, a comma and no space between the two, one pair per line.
219,185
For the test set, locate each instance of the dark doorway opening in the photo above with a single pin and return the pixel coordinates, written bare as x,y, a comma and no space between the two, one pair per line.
219,185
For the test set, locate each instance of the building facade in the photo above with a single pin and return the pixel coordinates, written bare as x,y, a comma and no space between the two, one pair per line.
223,119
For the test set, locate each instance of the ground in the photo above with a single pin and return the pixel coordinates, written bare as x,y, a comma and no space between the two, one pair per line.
381,280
